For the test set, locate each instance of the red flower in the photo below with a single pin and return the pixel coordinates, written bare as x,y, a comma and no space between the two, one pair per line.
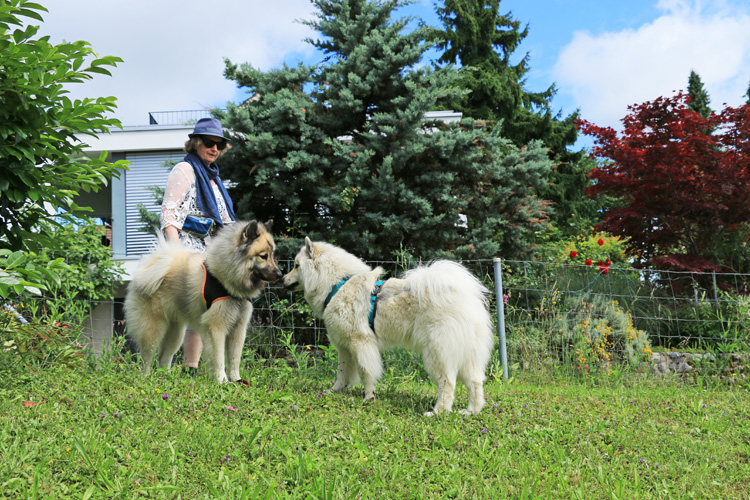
601,242
600,264
607,262
573,254
605,270
588,262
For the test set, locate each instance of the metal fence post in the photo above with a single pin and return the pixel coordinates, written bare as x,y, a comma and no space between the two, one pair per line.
501,314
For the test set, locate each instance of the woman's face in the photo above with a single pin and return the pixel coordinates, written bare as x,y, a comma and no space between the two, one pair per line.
209,155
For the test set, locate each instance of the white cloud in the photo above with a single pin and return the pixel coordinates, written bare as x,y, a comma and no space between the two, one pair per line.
606,72
173,50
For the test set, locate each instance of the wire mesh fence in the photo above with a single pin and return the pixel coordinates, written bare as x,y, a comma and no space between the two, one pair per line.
589,318
577,318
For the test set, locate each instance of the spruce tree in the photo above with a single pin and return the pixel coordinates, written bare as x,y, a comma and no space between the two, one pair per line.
482,41
699,99
343,150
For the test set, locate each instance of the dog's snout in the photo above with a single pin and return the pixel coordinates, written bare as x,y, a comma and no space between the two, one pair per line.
289,282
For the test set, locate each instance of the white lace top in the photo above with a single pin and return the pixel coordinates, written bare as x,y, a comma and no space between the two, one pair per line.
180,201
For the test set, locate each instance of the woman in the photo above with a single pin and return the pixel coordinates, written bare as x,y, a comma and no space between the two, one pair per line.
196,203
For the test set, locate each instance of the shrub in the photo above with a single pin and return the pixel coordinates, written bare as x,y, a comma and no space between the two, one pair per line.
598,332
89,277
37,345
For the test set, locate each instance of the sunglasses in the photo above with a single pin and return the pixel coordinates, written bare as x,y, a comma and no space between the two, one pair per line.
209,143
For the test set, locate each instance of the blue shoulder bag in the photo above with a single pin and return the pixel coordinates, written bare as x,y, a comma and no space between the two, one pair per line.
199,226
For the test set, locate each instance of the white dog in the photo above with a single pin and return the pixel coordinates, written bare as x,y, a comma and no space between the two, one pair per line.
439,311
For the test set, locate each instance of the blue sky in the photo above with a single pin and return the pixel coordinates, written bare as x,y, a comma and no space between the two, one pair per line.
603,55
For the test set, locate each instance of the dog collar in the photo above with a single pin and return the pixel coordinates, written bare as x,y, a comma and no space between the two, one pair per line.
334,290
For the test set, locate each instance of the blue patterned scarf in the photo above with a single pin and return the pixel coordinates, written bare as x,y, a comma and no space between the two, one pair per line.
205,198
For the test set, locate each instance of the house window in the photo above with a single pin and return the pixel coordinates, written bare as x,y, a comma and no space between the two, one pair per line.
146,170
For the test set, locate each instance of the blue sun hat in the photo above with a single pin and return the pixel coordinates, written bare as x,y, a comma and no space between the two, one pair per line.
208,126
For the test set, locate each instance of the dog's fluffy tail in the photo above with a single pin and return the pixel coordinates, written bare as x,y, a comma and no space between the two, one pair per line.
441,280
454,298
154,267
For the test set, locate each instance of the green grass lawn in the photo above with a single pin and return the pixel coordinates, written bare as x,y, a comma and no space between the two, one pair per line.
111,433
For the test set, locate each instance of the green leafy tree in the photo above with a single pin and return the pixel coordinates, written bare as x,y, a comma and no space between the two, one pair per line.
89,277
699,99
345,151
482,41
42,163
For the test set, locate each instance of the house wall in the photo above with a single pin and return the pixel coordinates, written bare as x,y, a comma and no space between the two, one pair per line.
97,331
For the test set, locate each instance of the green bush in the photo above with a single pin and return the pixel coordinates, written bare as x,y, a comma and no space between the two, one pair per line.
38,345
89,277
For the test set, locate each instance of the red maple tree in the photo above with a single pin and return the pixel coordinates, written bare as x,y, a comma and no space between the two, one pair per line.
681,182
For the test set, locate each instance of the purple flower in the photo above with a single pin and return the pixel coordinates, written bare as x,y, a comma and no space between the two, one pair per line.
494,405
525,406
117,415
231,408
102,415
406,440
484,431
293,406
165,396
319,396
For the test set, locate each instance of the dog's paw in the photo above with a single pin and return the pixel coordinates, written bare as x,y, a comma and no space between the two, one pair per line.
429,414
466,412
328,391
369,398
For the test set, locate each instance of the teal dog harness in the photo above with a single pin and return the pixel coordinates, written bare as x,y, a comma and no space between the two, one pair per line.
373,298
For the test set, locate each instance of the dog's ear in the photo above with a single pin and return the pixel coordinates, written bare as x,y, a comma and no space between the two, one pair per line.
268,224
250,233
309,246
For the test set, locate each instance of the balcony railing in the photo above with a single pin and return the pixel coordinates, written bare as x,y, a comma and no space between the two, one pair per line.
188,117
